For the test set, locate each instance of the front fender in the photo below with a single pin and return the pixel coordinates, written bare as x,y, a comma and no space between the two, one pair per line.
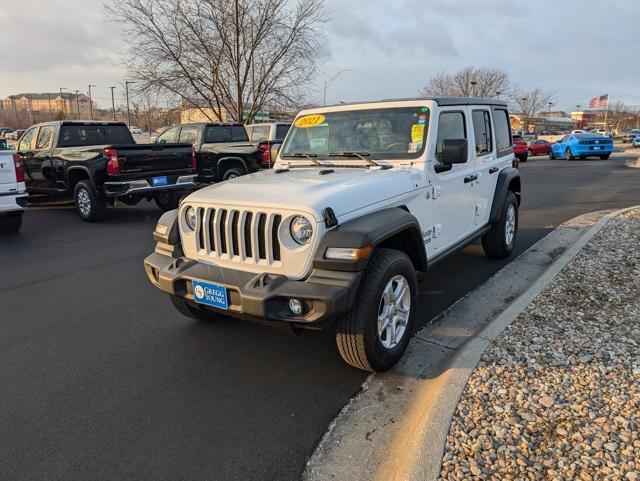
506,177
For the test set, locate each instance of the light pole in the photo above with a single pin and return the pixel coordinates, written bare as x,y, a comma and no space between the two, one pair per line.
498,93
524,114
113,103
549,116
78,103
473,88
578,116
64,109
50,113
126,88
328,82
91,102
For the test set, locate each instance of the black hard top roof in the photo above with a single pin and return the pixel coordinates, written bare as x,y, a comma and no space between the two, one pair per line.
442,101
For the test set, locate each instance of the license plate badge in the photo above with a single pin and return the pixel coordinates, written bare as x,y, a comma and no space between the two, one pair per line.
159,181
210,294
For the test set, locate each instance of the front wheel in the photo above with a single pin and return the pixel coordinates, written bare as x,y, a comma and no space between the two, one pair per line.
167,200
374,334
567,154
499,242
10,224
90,204
605,157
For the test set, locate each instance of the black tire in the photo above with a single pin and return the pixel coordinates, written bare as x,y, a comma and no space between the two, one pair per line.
11,223
530,153
233,172
567,154
495,242
90,205
167,200
551,157
184,308
523,157
357,337
605,157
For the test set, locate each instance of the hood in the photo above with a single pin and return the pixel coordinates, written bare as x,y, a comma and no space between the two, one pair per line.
343,189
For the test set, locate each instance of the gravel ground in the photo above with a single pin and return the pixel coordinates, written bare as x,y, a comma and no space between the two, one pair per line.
557,395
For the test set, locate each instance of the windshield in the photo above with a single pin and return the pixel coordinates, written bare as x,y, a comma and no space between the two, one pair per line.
385,133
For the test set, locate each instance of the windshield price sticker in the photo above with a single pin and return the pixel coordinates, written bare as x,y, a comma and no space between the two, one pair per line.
309,121
417,132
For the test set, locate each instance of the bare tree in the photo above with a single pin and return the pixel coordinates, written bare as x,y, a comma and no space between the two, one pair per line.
529,103
218,56
468,82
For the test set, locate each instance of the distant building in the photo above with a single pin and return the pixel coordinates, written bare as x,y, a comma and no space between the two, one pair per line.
189,115
542,124
49,103
584,118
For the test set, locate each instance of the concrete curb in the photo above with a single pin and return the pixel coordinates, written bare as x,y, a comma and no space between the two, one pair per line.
396,429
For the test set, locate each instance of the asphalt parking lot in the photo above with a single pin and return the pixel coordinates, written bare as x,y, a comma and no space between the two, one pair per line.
102,379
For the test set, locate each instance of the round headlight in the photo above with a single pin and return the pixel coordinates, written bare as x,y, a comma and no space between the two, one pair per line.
190,217
301,230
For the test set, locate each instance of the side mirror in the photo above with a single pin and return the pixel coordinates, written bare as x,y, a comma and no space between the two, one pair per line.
454,151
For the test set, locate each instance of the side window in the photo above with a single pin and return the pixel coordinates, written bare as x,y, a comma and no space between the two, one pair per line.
44,137
217,133
169,136
239,133
451,125
260,133
26,141
189,135
281,131
482,132
503,132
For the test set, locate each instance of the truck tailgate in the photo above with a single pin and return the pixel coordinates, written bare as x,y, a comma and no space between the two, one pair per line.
145,159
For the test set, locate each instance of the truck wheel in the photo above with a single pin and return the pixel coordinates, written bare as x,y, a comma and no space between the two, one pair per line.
233,173
498,243
10,224
90,205
605,157
167,200
185,309
374,334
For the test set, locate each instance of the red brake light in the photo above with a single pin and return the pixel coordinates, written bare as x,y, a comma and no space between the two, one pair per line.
194,158
113,163
265,153
17,162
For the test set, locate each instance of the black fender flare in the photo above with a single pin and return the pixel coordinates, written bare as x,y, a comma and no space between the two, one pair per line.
506,177
372,230
229,159
70,170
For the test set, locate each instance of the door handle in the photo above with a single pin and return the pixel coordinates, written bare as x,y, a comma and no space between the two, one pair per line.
470,178
493,170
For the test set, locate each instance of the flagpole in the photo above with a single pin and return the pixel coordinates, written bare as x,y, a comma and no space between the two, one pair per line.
606,113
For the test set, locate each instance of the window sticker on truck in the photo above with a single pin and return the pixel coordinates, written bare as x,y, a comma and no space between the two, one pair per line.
417,132
309,121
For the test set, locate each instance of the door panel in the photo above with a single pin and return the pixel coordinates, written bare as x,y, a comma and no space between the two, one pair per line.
487,164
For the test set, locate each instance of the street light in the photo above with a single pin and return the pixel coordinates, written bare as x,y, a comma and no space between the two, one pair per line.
498,93
524,114
113,103
64,109
549,116
578,116
473,88
328,82
126,88
91,102
78,103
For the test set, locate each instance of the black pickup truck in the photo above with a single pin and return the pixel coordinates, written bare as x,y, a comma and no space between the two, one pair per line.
223,150
99,163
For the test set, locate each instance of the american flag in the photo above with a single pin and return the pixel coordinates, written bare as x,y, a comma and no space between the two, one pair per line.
597,102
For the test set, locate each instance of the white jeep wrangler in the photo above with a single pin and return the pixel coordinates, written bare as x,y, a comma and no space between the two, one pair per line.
361,198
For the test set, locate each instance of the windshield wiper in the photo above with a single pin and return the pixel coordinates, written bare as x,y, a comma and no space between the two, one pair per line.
366,156
303,155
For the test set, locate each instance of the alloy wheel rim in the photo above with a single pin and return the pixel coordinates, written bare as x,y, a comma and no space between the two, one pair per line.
84,202
394,311
510,227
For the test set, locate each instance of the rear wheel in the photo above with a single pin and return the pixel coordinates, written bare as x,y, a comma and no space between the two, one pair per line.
167,200
184,308
374,334
11,223
605,156
233,173
530,153
499,242
90,205
551,157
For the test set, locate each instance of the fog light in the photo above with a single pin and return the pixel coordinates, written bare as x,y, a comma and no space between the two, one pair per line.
296,306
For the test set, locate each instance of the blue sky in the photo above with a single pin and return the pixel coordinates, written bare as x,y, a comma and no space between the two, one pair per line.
577,49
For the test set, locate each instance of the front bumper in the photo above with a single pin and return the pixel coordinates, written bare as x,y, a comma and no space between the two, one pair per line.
142,186
325,294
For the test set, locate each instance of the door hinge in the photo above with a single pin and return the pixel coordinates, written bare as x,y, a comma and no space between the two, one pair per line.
437,191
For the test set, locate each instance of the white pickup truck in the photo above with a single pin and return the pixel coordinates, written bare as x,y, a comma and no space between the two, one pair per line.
360,199
13,192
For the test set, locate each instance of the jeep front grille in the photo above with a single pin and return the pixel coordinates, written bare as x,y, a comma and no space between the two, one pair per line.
239,235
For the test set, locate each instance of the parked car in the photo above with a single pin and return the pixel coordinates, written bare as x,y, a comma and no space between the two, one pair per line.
538,147
360,198
635,143
630,135
3,145
99,162
581,146
520,148
15,135
223,150
4,131
136,131
270,137
13,193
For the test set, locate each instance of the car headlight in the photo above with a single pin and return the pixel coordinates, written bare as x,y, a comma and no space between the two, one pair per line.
301,230
190,217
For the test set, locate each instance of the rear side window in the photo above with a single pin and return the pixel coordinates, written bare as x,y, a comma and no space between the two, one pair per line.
85,135
26,141
450,126
169,136
503,132
281,131
44,137
482,131
260,133
225,133
189,135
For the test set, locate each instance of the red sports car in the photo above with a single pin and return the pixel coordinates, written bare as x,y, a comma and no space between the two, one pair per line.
520,148
539,147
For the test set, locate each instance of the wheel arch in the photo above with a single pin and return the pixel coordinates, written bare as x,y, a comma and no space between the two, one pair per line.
226,163
75,175
508,181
